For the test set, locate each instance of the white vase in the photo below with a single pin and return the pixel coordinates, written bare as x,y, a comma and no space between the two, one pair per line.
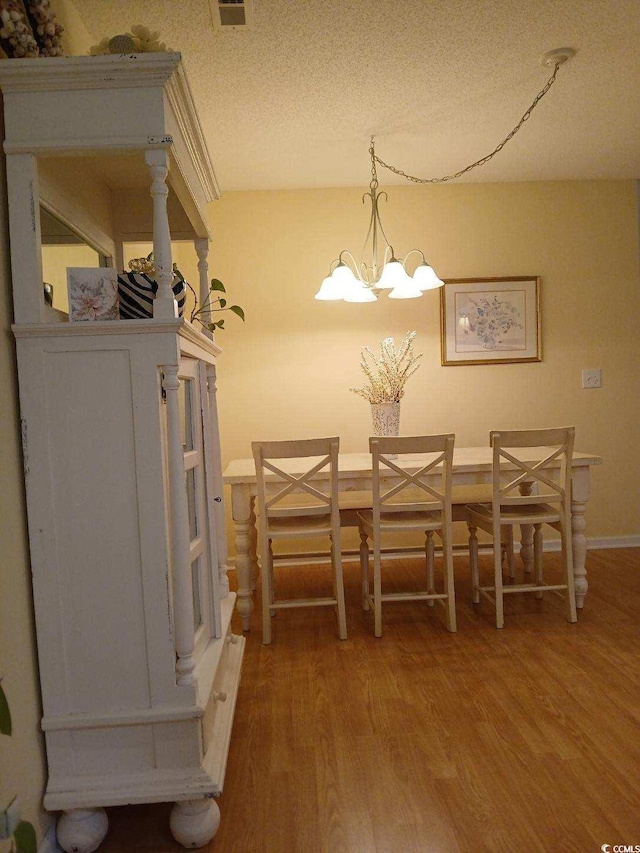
386,418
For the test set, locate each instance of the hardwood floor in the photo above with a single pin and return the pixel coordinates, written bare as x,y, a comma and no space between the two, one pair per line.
522,740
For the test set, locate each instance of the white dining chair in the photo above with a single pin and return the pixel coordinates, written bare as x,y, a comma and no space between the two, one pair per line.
526,493
352,502
410,502
292,507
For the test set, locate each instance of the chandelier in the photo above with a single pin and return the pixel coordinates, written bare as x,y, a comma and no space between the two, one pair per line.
358,281
362,280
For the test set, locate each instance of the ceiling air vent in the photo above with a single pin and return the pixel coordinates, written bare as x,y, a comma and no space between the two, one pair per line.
232,14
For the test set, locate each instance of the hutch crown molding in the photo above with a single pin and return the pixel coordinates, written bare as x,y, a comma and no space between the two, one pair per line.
139,669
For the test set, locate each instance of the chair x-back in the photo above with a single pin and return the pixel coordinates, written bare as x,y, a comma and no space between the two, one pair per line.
529,488
292,507
404,500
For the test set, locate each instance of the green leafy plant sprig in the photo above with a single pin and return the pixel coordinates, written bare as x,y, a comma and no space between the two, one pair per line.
23,839
214,303
211,304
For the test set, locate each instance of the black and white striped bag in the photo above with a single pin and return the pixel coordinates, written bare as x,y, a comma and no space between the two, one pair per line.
137,292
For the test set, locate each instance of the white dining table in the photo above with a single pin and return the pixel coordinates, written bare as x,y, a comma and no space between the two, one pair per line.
471,465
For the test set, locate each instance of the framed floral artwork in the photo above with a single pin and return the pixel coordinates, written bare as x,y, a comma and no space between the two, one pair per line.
490,320
93,293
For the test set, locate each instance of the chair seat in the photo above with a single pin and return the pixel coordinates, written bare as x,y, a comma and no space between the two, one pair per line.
299,526
517,514
403,520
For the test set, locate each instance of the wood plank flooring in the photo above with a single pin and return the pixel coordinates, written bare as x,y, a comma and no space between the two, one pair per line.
520,740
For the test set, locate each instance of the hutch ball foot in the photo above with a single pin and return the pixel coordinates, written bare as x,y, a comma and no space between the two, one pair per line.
193,823
82,830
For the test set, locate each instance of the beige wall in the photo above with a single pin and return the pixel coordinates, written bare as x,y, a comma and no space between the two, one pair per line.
77,39
287,372
21,755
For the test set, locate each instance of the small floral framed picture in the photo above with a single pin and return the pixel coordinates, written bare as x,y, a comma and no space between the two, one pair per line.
490,320
93,293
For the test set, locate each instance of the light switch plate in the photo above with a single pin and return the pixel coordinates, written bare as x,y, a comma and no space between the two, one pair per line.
592,378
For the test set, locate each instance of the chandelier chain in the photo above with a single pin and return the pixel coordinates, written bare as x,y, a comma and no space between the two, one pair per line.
374,172
479,162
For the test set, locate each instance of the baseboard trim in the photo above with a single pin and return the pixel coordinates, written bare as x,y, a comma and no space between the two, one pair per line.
317,558
598,544
49,843
632,541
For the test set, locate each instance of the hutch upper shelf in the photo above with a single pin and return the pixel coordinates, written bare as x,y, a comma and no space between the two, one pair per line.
123,159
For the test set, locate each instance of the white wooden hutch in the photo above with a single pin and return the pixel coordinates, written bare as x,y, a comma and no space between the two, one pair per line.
138,666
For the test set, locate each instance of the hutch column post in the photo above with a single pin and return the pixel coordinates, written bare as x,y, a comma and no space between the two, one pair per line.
201,245
179,534
217,482
24,229
164,305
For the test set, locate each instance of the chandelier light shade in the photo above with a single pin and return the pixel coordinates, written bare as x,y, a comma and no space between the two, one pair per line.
344,279
405,290
330,290
393,275
361,281
425,277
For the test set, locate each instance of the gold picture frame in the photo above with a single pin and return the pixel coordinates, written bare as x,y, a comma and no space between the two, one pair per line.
490,320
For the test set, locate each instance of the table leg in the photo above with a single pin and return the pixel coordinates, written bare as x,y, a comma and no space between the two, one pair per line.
579,498
526,533
241,511
253,546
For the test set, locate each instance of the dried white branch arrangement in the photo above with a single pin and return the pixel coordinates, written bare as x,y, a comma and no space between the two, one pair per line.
389,373
28,28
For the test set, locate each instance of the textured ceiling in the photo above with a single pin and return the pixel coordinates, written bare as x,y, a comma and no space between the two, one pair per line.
293,101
